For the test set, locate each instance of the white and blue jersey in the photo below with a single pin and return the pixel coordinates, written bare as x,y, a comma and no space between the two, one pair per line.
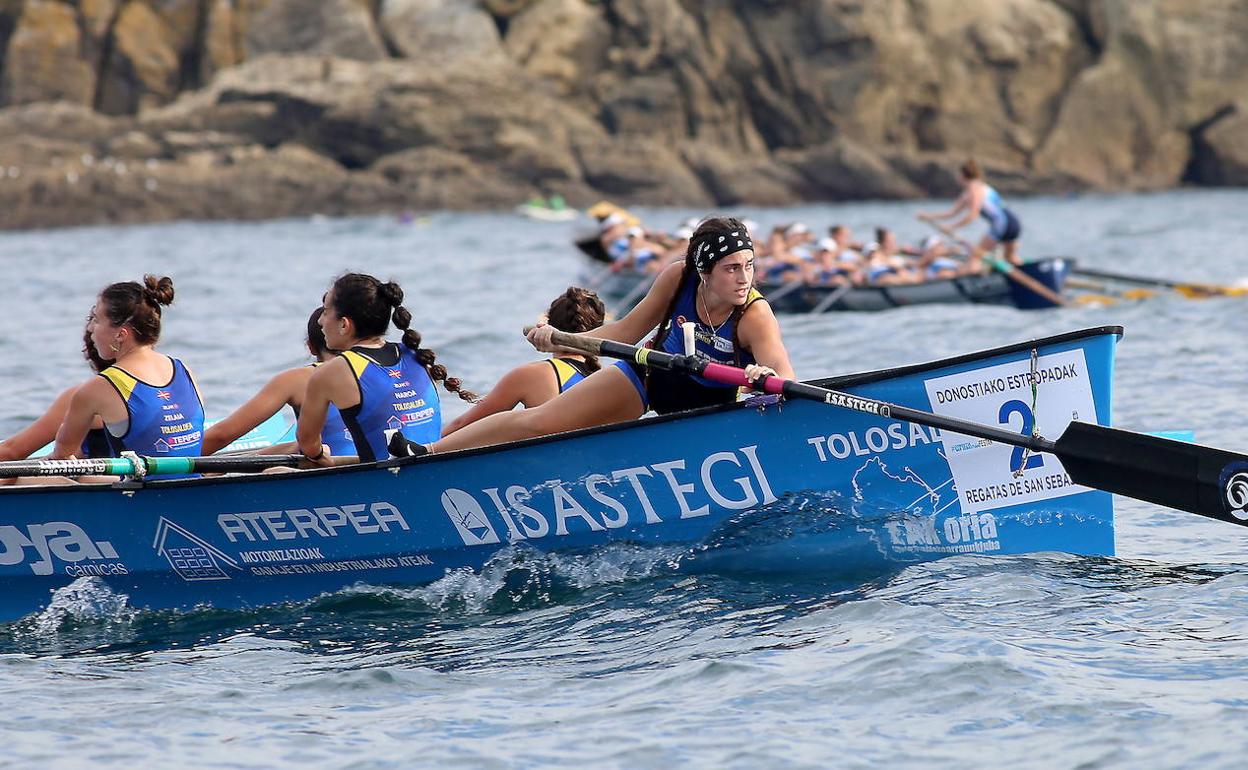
1003,226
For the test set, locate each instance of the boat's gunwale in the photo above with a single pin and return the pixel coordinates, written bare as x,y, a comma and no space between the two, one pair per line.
840,381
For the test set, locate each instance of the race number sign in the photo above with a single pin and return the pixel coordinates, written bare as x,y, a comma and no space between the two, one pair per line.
990,475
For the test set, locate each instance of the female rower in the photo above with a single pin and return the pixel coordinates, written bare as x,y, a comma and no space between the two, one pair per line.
576,310
980,199
378,386
42,431
714,288
148,401
285,389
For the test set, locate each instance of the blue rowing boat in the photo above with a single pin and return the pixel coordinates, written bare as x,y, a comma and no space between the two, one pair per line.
759,485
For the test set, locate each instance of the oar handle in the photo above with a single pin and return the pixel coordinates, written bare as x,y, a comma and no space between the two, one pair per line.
579,342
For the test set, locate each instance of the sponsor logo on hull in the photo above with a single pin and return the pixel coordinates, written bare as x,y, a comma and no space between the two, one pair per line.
42,545
729,480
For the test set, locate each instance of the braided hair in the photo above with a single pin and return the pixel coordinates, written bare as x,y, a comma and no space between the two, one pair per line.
373,306
577,310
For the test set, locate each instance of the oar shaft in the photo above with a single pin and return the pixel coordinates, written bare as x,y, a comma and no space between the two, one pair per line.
731,375
1009,271
151,466
1180,286
87,467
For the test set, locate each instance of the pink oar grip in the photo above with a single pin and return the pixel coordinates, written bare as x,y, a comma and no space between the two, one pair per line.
731,375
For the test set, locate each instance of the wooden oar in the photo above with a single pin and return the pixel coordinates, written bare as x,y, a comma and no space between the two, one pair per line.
1011,271
1190,290
147,466
637,292
830,300
1189,477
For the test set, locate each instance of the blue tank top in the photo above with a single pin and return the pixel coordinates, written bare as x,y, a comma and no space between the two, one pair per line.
163,420
335,434
568,372
717,344
400,396
993,209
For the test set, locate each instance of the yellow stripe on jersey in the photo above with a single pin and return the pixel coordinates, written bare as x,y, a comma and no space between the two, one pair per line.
564,371
357,362
123,381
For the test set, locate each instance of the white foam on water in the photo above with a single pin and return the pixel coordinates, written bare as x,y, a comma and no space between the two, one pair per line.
87,599
526,574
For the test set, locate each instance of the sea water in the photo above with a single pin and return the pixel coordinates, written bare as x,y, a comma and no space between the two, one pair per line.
619,657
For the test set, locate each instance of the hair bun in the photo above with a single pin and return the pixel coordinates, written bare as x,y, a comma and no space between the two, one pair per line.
158,291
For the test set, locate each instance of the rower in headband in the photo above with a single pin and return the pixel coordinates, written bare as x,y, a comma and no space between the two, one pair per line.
712,247
714,290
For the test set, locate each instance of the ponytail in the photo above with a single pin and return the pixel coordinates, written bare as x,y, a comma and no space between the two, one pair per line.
373,306
402,320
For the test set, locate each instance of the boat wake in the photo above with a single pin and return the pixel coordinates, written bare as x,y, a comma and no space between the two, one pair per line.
519,577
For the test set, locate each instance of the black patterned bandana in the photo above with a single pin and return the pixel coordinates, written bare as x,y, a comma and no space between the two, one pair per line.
715,246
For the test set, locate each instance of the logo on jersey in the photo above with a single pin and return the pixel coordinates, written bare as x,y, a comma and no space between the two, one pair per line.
164,394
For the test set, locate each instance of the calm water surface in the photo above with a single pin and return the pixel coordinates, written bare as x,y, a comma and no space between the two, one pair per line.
614,658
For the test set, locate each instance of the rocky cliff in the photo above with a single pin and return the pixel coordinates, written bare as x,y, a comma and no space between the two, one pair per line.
137,110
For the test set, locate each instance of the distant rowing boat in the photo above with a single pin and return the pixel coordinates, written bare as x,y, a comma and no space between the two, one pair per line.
546,212
757,485
626,288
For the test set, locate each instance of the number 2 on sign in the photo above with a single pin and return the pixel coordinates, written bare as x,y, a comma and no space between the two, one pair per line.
1008,410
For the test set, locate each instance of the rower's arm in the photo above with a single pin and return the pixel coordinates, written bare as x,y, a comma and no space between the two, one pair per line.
41,431
519,386
84,405
648,313
759,333
316,400
974,202
276,393
958,206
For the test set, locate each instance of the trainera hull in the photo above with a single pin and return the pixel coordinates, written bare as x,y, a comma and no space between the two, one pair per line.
758,485
622,290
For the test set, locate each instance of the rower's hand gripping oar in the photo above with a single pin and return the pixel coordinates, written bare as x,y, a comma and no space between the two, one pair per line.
1189,477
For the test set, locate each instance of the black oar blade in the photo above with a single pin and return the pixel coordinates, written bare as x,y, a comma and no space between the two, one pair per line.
1189,477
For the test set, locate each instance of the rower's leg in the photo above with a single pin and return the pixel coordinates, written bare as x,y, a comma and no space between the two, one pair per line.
1011,253
986,245
606,396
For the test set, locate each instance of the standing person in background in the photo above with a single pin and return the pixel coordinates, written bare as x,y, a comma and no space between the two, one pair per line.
576,310
979,199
